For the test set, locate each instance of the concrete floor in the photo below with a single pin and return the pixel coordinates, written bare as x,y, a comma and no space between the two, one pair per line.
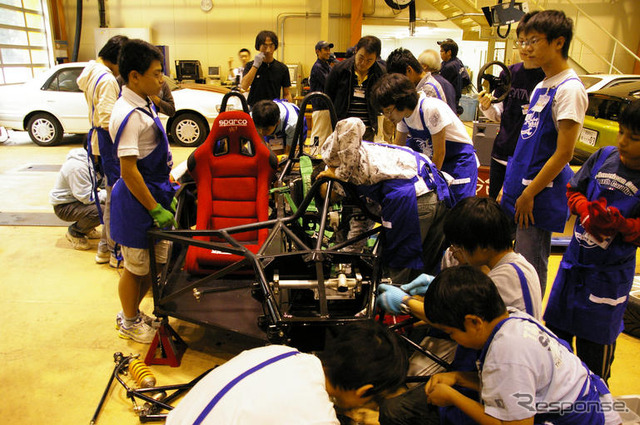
58,307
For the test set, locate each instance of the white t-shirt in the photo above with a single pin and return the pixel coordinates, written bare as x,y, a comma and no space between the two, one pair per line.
524,367
437,116
289,391
506,279
570,101
139,135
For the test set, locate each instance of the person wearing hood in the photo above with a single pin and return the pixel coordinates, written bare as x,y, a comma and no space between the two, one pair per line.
411,193
101,90
73,200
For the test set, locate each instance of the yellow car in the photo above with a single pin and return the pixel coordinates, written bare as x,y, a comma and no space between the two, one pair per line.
601,120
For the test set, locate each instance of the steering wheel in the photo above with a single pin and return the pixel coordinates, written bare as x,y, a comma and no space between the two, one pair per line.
492,82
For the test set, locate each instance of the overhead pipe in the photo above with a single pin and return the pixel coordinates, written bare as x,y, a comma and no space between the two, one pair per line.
306,15
103,13
76,40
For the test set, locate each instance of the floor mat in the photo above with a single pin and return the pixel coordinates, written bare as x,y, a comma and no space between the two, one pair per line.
31,219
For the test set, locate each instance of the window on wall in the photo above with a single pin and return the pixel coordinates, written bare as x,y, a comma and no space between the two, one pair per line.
25,42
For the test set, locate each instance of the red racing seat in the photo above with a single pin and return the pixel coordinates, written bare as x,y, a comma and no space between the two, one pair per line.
233,170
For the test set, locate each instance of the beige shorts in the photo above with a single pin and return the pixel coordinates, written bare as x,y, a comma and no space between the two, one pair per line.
136,260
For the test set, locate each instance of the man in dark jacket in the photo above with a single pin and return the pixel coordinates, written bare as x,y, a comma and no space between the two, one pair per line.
349,84
452,67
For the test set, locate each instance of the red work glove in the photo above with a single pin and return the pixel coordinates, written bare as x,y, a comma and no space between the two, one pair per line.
629,228
601,220
578,203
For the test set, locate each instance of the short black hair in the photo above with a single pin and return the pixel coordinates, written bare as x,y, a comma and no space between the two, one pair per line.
450,46
553,24
459,291
394,89
244,50
262,36
111,49
364,353
523,21
630,117
137,55
400,59
265,113
370,43
478,223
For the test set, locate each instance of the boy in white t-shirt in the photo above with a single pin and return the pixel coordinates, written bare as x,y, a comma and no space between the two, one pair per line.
434,130
534,190
525,374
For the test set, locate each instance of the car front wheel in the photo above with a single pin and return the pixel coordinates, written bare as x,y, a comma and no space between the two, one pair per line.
45,130
189,130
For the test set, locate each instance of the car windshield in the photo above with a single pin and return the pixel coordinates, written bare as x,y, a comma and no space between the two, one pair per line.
588,80
605,107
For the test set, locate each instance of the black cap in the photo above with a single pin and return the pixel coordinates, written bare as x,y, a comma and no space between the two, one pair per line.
447,40
322,44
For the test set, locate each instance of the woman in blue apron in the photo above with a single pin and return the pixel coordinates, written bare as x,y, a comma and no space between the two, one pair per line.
397,197
537,143
459,161
590,293
130,220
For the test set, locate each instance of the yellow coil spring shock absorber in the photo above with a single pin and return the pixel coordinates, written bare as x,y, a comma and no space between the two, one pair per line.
141,373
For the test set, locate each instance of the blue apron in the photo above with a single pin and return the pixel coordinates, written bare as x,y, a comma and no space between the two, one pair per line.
281,134
108,154
397,197
590,392
537,143
459,161
130,220
108,159
591,290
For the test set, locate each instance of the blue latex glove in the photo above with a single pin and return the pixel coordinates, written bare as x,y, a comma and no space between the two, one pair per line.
162,217
257,60
419,285
390,298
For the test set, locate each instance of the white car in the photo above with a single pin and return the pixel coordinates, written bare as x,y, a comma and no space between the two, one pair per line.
593,82
52,104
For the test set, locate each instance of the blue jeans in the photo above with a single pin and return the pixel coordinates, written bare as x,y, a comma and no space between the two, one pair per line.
535,245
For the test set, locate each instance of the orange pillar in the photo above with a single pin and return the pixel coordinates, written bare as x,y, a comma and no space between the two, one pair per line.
356,21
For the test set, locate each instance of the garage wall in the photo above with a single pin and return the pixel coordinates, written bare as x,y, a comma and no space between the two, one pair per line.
213,37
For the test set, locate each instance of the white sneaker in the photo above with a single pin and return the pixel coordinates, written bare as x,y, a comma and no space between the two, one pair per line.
153,322
114,262
139,331
94,234
80,243
102,257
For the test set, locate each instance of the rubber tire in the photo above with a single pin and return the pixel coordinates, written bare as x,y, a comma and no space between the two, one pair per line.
632,316
45,129
189,130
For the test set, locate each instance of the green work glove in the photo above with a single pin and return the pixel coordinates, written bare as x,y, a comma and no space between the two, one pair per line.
174,204
162,217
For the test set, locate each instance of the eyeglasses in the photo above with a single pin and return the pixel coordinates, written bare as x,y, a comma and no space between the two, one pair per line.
388,110
526,43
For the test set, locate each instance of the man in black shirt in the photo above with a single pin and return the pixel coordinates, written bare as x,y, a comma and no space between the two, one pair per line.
320,119
265,76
